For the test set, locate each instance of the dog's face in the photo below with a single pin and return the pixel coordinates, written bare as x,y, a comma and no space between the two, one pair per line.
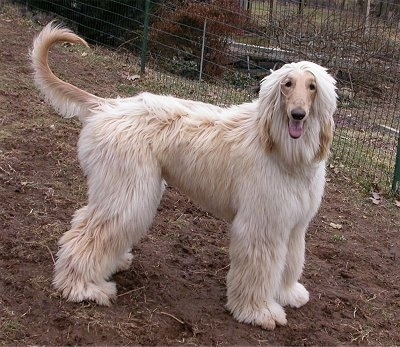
297,101
299,89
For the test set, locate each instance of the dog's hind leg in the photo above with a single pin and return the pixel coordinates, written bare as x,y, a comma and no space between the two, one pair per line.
257,259
291,292
126,259
103,232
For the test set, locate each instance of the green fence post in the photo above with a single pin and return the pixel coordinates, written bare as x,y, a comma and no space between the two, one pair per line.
143,57
396,177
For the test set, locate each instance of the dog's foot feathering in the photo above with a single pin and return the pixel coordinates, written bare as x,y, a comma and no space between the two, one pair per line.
102,294
125,262
267,317
294,296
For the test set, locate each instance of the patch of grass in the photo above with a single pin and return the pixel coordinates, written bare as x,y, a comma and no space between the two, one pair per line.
164,83
5,134
10,327
94,318
370,164
180,223
127,89
360,333
338,238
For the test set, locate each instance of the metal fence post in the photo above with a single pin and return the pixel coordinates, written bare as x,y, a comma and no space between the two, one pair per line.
396,176
143,57
202,49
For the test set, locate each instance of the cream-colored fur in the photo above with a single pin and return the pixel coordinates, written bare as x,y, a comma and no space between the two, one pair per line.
259,165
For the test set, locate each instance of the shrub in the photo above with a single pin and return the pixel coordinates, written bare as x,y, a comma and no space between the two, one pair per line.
108,22
179,27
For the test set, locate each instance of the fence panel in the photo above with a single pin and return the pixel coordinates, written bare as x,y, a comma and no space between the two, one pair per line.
218,51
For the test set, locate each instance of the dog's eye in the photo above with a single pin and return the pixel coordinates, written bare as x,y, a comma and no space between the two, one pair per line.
288,84
312,86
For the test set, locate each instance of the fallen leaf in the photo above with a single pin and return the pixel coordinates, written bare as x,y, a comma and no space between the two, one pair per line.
130,77
397,203
133,77
336,226
212,95
375,201
376,195
376,198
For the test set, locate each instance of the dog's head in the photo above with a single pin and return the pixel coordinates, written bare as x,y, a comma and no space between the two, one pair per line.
296,105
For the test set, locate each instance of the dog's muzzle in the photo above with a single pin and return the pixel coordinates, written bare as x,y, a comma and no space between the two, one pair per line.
296,123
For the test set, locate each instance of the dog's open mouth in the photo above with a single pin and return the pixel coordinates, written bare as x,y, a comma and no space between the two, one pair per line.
296,128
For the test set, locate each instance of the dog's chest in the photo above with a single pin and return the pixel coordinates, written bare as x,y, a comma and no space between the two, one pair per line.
303,194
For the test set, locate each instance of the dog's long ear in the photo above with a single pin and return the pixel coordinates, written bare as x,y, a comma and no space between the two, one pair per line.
265,132
324,108
269,104
325,138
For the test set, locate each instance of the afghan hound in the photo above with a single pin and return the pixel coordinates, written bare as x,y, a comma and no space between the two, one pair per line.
260,165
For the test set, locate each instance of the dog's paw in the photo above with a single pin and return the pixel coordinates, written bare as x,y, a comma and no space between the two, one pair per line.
125,262
267,317
295,296
102,294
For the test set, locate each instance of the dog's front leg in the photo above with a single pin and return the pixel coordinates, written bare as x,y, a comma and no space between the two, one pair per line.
257,260
291,292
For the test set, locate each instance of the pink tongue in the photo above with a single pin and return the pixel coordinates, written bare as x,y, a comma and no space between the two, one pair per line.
295,128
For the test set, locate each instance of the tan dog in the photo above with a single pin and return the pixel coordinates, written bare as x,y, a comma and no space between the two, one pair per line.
260,165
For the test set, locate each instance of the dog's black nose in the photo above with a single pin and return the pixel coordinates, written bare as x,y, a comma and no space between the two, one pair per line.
298,114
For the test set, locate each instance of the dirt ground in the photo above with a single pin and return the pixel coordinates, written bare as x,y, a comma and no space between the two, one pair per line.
174,292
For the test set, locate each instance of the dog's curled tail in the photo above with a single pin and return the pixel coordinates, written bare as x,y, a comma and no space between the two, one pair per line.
67,99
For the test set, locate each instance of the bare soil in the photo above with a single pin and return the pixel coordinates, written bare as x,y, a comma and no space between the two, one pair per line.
174,292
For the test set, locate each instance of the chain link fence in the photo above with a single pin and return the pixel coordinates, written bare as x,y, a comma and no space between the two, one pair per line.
217,51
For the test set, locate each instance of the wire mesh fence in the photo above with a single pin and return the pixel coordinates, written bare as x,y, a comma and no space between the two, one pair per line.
217,51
